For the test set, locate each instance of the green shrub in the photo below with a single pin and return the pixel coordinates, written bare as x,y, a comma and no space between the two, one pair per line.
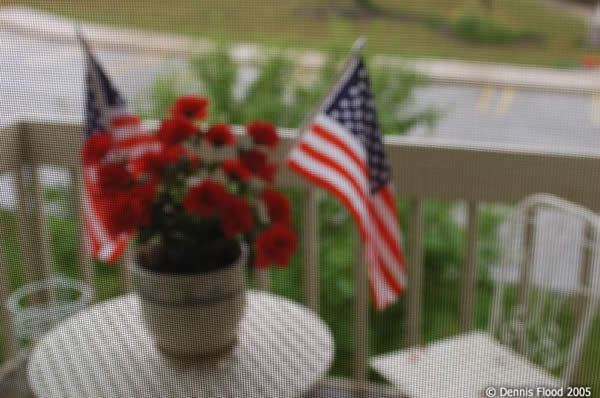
277,95
481,28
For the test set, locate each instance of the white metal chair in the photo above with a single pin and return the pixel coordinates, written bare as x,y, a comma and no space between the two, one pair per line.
545,299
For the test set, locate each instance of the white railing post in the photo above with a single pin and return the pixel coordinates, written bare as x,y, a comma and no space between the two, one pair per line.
587,306
310,248
9,158
361,317
583,302
124,263
525,273
33,233
262,278
415,273
7,331
85,263
469,280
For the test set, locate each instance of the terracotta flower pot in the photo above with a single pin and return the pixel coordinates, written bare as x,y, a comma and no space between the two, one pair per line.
192,315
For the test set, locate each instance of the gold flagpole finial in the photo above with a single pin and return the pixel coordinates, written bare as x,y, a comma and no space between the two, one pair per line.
358,45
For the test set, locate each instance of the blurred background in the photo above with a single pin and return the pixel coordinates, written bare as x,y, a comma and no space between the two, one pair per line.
521,73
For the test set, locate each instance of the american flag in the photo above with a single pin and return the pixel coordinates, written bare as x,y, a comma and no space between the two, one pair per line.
342,152
107,111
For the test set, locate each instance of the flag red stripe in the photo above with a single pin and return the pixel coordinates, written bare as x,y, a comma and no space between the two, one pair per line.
291,163
374,296
389,211
116,253
388,198
125,120
390,237
381,228
391,280
326,135
95,244
137,140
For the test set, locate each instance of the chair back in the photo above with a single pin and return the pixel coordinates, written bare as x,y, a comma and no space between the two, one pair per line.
546,286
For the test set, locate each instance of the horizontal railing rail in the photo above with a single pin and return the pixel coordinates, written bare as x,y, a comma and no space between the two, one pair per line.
423,168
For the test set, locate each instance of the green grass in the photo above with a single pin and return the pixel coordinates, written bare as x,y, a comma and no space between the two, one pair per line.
408,27
441,293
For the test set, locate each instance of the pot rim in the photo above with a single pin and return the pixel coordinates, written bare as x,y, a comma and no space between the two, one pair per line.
240,262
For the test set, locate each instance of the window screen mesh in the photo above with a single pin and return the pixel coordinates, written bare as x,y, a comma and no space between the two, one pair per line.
482,105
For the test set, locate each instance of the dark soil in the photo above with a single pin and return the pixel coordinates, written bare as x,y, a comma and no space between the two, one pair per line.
204,257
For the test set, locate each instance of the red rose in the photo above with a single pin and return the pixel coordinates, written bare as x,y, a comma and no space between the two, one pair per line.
177,153
154,163
189,107
253,160
236,217
113,178
263,133
220,134
234,169
173,131
278,206
275,246
257,163
96,147
268,172
131,209
205,198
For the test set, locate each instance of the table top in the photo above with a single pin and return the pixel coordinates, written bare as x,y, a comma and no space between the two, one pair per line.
105,351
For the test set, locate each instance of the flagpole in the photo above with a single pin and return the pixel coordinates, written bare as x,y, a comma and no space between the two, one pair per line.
102,102
311,266
354,53
311,203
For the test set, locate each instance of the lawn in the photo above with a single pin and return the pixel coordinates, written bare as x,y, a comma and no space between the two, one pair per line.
407,27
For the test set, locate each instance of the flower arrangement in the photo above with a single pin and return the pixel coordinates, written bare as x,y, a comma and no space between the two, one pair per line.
191,214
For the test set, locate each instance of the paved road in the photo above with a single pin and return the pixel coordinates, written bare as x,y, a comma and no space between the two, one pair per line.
48,78
506,115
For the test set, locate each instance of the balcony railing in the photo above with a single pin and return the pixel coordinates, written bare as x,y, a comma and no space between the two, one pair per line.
423,168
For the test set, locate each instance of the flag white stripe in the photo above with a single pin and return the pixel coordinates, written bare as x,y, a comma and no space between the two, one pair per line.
139,150
126,131
315,167
331,150
95,223
388,216
338,156
337,130
106,251
385,294
334,154
330,175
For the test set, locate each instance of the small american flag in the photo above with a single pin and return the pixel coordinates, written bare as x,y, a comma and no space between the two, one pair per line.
107,111
342,152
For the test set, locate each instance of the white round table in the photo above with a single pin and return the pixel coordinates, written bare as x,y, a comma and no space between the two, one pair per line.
105,352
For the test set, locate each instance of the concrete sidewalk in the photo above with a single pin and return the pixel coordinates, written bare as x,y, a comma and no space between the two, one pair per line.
49,27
